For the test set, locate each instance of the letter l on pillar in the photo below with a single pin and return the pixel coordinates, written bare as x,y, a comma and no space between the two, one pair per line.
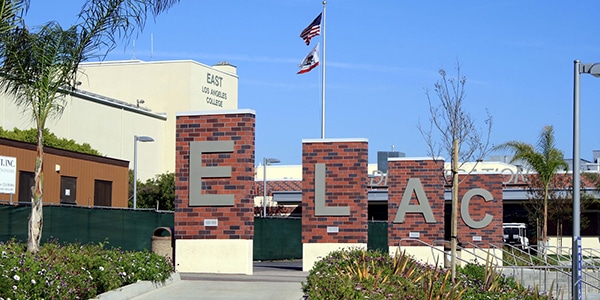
320,208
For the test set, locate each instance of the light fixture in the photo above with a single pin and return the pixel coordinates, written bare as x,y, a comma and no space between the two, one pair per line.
576,259
136,139
266,162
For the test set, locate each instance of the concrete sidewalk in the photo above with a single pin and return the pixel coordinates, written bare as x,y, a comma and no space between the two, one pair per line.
271,280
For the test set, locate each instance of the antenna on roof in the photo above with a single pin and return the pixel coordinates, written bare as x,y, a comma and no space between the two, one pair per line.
151,46
133,56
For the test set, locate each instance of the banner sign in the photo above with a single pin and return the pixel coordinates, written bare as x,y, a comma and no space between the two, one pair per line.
8,174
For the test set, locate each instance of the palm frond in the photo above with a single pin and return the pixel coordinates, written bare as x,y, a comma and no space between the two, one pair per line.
103,22
11,14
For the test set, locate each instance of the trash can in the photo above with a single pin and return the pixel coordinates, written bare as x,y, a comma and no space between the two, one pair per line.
162,242
448,254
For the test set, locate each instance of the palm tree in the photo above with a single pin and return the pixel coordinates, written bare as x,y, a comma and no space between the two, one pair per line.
546,161
39,68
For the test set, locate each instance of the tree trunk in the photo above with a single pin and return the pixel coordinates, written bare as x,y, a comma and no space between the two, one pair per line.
454,227
538,235
545,228
559,234
36,217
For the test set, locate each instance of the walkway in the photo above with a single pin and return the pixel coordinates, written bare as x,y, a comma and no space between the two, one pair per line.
271,280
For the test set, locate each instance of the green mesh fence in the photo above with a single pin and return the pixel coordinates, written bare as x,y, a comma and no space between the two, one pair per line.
378,236
126,229
13,222
276,239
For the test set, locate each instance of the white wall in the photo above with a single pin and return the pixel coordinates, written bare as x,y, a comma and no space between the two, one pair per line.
107,129
166,87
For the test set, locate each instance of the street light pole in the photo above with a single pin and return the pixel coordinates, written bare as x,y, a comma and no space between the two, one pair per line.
575,258
266,161
136,139
594,70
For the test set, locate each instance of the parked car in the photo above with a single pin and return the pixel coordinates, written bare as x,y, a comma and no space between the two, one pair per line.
516,234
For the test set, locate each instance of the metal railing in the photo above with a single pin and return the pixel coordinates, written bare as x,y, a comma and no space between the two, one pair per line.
549,272
590,269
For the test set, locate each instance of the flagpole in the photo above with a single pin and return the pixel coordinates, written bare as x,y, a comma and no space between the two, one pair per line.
323,75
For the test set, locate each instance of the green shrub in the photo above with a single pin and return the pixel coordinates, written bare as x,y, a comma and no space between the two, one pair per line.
360,274
50,140
73,271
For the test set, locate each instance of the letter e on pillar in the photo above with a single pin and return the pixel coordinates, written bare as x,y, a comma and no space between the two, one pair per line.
197,172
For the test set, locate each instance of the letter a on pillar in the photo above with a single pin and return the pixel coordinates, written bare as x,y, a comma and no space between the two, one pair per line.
414,185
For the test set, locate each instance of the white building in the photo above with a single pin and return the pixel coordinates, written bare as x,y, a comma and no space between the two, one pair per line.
118,100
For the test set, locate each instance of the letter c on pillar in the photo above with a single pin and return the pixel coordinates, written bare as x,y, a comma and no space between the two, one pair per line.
464,208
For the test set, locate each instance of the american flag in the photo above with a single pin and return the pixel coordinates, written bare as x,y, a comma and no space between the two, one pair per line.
312,30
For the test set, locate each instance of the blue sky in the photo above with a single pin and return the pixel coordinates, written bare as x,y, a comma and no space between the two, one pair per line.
517,57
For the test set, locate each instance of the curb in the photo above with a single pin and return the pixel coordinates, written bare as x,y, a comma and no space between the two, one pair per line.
136,289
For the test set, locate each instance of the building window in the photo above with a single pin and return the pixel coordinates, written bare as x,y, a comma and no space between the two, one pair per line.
26,182
68,190
102,193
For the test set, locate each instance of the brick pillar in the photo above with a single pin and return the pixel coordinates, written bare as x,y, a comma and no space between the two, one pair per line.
480,216
334,196
416,207
214,208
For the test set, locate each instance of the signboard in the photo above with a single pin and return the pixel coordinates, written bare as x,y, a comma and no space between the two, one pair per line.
215,90
8,174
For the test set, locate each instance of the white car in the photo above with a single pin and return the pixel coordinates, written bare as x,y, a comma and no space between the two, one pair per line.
516,234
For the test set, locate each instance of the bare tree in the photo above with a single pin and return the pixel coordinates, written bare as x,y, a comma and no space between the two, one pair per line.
453,131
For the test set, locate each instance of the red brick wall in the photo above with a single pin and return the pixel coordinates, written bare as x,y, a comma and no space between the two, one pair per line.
478,208
234,222
347,166
430,175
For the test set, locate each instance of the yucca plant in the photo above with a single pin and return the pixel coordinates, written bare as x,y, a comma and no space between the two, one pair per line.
438,288
362,274
491,279
403,264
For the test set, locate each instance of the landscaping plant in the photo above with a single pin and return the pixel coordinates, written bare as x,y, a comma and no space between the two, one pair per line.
74,271
362,274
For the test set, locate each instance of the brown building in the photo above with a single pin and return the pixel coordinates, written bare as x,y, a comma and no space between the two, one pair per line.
69,177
